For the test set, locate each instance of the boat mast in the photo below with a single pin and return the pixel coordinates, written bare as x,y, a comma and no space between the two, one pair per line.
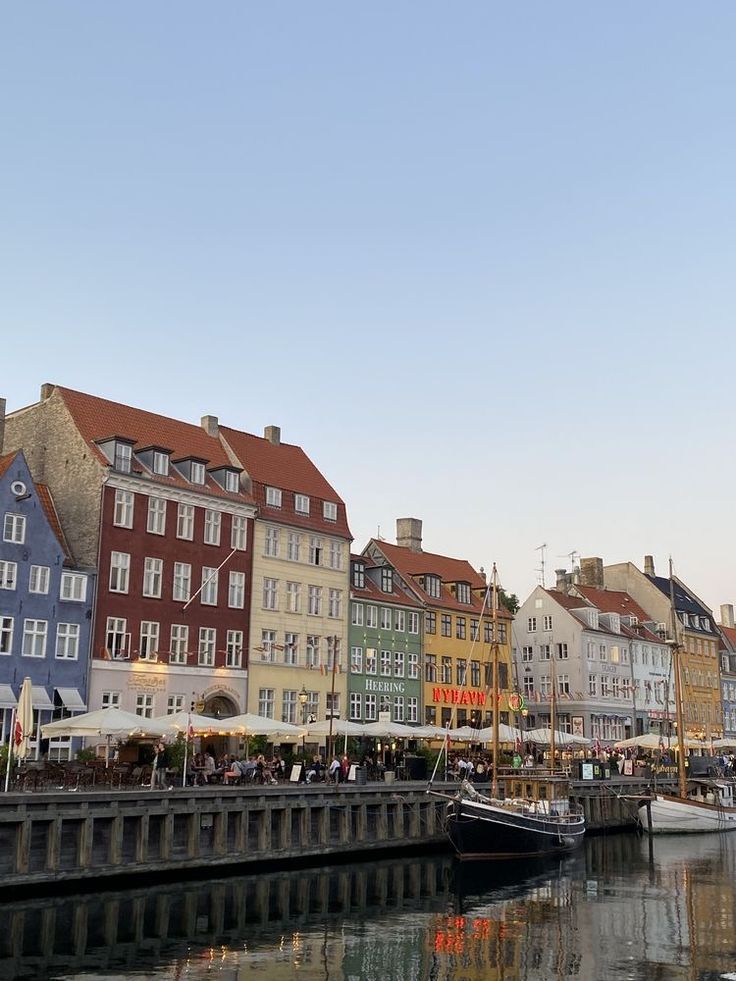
552,707
678,692
496,698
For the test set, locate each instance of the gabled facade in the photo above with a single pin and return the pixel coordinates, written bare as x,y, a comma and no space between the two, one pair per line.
697,637
301,569
385,646
727,629
458,634
160,508
45,604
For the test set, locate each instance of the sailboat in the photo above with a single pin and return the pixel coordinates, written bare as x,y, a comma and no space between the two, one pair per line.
527,813
700,805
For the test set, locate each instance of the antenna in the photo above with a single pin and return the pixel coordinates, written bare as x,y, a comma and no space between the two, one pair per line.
572,556
542,549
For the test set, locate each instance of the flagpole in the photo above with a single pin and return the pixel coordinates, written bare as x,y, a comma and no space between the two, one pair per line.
11,737
186,748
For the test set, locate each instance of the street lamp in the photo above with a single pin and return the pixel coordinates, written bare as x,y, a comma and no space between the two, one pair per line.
303,699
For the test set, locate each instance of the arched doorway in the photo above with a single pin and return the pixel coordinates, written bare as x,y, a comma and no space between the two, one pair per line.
219,706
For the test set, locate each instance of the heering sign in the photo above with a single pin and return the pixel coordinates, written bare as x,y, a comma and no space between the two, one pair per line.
385,687
454,696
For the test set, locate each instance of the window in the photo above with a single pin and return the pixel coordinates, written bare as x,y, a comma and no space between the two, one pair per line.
446,670
315,550
289,702
144,706
460,628
334,604
161,463
446,625
266,702
293,544
430,622
301,504
398,664
531,624
563,684
212,523
119,572
232,481
314,601
430,668
590,650
34,638
8,575
123,514
174,704
179,643
329,511
357,614
545,652
148,650
110,699
123,457
293,597
271,546
312,652
236,591
413,665
593,685
73,587
291,649
14,528
268,645
371,660
400,621
358,575
207,641
185,522
273,497
238,536
528,685
156,516
371,616
387,579
547,623
462,671
356,706
208,594
370,708
152,575
356,660
398,708
6,635
335,555
38,580
545,686
412,709
487,631
527,653
474,630
386,618
182,589
333,652
413,623
463,592
561,652
67,641
603,652
270,593
116,638
197,473
234,649
433,586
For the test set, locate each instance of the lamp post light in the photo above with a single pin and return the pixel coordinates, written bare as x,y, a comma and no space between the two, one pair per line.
303,699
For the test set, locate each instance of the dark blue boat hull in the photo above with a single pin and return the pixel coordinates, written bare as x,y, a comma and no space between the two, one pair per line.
486,832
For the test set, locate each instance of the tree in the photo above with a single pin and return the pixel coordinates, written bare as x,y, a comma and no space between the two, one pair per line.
509,601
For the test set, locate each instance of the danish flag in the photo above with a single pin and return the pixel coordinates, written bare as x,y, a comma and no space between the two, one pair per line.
18,734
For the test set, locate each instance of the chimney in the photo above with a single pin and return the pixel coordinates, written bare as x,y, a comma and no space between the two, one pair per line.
591,572
561,580
648,565
2,424
273,435
47,390
409,533
727,615
211,425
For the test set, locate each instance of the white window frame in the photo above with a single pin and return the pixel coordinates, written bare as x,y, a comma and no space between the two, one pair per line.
14,528
273,497
412,670
8,574
73,588
316,550
160,463
153,575
301,504
111,699
38,579
7,625
207,647
334,608
67,641
335,555
314,601
148,644
234,649
156,518
414,623
357,614
181,586
270,596
236,590
271,542
356,660
185,522
291,648
197,472
119,581
329,511
293,546
124,508
266,702
174,704
179,643
371,615
239,532
232,481
144,706
293,597
208,594
35,635
212,526
116,630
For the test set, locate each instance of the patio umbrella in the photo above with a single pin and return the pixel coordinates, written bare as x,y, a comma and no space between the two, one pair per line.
340,727
249,724
389,730
24,720
196,725
103,722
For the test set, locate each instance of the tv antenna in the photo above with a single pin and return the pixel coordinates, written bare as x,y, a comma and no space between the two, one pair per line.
572,556
542,549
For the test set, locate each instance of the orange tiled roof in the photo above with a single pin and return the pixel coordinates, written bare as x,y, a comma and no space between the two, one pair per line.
98,419
730,634
614,601
5,462
47,502
373,593
569,602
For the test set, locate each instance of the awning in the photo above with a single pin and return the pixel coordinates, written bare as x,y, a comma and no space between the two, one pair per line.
71,699
41,699
7,698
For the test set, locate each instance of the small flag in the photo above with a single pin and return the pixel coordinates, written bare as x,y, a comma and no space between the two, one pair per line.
18,734
190,731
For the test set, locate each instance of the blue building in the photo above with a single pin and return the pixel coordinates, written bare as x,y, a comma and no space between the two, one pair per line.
45,606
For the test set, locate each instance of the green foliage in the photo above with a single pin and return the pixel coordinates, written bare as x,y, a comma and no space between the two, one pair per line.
86,755
510,601
175,753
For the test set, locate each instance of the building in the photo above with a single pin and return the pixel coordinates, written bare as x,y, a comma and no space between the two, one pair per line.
160,508
458,635
301,569
728,670
46,604
696,635
385,639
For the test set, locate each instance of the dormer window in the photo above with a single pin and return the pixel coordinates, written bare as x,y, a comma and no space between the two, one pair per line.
273,497
123,458
197,472
432,586
301,504
462,593
387,579
232,481
161,463
359,575
329,511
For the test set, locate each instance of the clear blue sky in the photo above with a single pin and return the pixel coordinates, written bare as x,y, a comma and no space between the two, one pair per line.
478,259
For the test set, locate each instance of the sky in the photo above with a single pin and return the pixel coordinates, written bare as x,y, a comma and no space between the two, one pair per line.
477,259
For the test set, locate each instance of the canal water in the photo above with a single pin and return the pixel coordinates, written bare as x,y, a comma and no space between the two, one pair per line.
609,912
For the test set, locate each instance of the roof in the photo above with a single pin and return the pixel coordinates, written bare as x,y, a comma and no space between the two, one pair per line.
287,467
569,602
47,502
614,601
5,462
98,419
730,634
373,593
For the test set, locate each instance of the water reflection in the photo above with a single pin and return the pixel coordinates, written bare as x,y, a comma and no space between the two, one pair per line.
606,912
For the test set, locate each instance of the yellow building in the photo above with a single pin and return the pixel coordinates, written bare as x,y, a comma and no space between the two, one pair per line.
458,636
